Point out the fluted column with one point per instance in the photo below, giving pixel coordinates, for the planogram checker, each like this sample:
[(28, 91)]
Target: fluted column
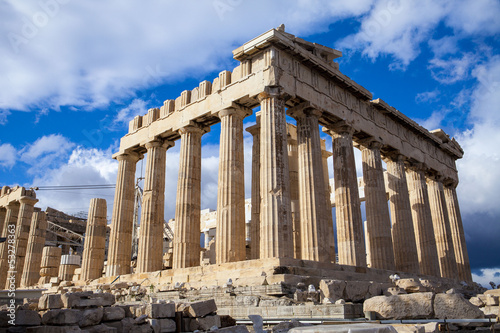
[(350, 240), (378, 223), (313, 225), (293, 168), (255, 222), (442, 230), (403, 235), (422, 220), (328, 202), (457, 233), (122, 222), (276, 224), (230, 231), (150, 250), (22, 232), (95, 240), (9, 229), (3, 212), (36, 242), (187, 208)]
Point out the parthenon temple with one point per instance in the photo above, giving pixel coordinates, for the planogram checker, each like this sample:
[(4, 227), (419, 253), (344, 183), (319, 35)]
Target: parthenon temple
[(413, 222), (421, 232)]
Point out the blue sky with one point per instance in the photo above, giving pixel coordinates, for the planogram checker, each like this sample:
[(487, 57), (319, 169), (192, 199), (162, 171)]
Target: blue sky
[(72, 74)]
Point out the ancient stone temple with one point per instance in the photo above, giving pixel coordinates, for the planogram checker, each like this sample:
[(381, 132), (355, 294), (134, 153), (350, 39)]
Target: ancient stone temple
[(421, 232)]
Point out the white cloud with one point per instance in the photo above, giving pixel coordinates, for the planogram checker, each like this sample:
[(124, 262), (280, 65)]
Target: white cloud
[(452, 70), (136, 107), (7, 155), (479, 170), (83, 167), (45, 152), (486, 276), (86, 54), (428, 96)]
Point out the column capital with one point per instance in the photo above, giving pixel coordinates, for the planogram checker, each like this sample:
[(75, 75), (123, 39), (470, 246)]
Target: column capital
[(417, 166), (194, 128), (340, 127), (254, 129), (28, 200), (237, 110), (159, 143), (302, 110), (450, 182), (369, 143), (130, 156), (394, 156), (273, 92), (435, 176)]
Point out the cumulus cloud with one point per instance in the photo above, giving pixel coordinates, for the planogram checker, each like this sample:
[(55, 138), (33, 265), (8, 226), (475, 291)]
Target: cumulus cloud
[(87, 54), (122, 118), (45, 152), (7, 155), (428, 96), (452, 70), (82, 167), (487, 275)]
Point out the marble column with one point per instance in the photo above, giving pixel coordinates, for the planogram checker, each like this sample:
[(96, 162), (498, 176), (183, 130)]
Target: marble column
[(403, 235), (3, 212), (378, 223), (313, 224), (350, 239), (457, 233), (328, 202), (36, 242), (293, 168), (276, 238), (150, 249), (187, 209), (22, 232), (95, 240), (255, 222), (51, 261), (442, 230), (122, 221), (422, 220), (9, 232), (230, 231)]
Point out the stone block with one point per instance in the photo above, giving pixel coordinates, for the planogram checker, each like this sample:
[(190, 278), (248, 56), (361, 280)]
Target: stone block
[(125, 325), (491, 300), (28, 318), (161, 310), (162, 325), (50, 302), (119, 285), (54, 329), (411, 285), (356, 291), (202, 324), (411, 306), (247, 300), (87, 299), (113, 313), (332, 289), (101, 329), (402, 328), (91, 317), (61, 317), (477, 301), (201, 309), (455, 306), (234, 329)]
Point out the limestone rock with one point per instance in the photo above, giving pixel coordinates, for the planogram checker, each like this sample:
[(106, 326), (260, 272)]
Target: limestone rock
[(234, 329), (27, 318), (477, 302), (100, 329), (402, 328), (161, 310), (411, 286), (61, 317), (49, 301), (411, 306), (125, 325), (162, 325), (455, 306), (356, 291), (202, 324), (333, 289), (54, 329), (91, 317), (87, 299), (247, 300), (113, 313), (285, 326), (394, 291), (201, 309)]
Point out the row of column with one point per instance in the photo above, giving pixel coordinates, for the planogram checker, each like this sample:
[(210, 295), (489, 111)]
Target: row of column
[(420, 205)]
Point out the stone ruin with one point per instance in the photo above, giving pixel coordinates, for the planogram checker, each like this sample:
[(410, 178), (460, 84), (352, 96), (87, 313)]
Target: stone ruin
[(414, 245)]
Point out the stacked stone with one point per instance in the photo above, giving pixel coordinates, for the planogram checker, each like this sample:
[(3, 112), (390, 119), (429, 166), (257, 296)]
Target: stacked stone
[(51, 259), (36, 241), (95, 240), (69, 263)]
